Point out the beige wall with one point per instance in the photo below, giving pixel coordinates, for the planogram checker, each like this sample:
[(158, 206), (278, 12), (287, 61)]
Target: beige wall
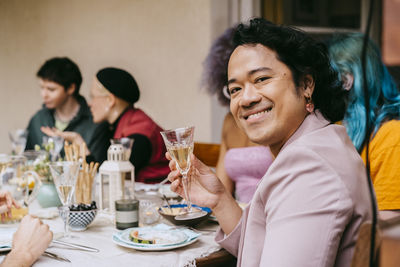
[(161, 42)]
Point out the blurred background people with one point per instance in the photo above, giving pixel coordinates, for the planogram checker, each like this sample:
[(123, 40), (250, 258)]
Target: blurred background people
[(113, 94), (241, 163), (384, 99), (65, 109)]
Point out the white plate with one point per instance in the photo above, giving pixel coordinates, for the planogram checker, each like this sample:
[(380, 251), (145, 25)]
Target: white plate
[(159, 248), (168, 237)]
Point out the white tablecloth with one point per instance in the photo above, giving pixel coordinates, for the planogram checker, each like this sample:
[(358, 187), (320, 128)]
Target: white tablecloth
[(99, 235)]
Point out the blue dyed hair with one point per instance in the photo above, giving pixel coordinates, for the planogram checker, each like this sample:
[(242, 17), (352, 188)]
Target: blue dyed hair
[(384, 98)]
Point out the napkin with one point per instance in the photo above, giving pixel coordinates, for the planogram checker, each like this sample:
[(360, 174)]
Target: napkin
[(6, 235)]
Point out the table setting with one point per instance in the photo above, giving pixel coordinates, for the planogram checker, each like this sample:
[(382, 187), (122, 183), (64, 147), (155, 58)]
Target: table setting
[(137, 229)]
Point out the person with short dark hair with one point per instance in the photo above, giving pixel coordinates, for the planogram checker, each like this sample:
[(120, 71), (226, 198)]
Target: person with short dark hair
[(241, 163), (65, 109), (308, 208), (113, 93)]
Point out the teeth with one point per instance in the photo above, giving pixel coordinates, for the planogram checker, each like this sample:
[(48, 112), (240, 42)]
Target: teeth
[(258, 114)]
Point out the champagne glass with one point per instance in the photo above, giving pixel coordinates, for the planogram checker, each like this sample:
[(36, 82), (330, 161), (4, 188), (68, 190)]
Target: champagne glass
[(65, 175), (179, 143)]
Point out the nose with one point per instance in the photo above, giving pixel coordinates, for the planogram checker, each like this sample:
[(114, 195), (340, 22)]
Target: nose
[(250, 96), (43, 93)]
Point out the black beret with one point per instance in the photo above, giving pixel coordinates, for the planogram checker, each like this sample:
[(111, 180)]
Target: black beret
[(120, 83)]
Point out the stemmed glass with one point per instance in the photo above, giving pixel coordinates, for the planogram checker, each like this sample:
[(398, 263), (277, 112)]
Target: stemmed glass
[(65, 175), (18, 140), (179, 143), (55, 145)]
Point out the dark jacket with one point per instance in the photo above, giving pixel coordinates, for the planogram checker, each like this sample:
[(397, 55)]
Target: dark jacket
[(96, 136)]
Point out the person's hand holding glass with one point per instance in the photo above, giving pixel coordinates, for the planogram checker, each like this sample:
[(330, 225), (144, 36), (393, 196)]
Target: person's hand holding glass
[(65, 175), (179, 143)]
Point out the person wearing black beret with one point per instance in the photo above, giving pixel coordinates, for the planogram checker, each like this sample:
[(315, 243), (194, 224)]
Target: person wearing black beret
[(113, 94)]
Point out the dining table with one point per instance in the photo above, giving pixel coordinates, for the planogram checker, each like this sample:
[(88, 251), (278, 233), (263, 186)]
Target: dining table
[(99, 235)]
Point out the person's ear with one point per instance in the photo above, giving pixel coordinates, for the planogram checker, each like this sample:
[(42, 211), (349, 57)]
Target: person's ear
[(347, 81), (111, 100), (71, 89), (308, 85)]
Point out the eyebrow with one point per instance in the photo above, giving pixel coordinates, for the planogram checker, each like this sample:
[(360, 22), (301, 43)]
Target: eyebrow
[(250, 73)]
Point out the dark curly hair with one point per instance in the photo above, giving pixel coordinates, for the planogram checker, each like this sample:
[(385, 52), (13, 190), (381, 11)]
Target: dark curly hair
[(215, 66), (304, 56), (61, 70)]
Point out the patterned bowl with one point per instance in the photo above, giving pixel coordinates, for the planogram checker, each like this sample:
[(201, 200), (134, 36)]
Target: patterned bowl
[(79, 220)]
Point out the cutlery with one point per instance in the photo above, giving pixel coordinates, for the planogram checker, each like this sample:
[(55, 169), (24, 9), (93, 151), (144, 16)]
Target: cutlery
[(55, 256), (163, 182), (73, 245), (7, 249), (169, 206)]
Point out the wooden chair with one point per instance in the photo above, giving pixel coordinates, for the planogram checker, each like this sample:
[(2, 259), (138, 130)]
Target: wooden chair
[(362, 250), (208, 153)]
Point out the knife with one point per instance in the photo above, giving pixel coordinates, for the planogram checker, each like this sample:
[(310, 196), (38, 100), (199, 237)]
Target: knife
[(72, 245)]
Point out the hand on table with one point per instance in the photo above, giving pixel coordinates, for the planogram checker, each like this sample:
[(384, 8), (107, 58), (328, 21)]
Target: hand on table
[(30, 240), (205, 189), (6, 203)]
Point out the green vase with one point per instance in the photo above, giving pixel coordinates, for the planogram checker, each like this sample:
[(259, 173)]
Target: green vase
[(48, 196)]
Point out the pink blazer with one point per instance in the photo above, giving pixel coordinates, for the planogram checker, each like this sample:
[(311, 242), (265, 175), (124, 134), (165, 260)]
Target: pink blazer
[(309, 206)]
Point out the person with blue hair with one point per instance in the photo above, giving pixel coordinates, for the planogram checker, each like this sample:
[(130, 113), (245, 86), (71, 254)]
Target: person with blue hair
[(384, 113)]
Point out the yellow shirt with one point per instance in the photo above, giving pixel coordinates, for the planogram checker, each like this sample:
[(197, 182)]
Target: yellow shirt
[(384, 157)]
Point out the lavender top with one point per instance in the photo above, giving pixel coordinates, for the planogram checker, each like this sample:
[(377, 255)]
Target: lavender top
[(246, 166)]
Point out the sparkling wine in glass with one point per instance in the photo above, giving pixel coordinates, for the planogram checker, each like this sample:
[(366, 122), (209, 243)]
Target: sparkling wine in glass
[(179, 143), (65, 175)]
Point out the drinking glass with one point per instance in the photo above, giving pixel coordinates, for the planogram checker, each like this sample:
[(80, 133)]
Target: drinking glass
[(18, 140), (22, 183), (65, 174), (179, 143), (126, 143), (55, 144)]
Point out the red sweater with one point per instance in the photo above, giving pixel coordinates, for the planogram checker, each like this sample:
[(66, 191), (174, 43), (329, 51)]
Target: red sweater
[(135, 121)]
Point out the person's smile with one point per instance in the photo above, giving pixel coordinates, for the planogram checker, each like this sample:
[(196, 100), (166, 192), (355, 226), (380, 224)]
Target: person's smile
[(257, 114)]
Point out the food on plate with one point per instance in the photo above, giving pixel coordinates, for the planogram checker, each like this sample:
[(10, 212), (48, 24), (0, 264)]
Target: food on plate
[(177, 210), (134, 237)]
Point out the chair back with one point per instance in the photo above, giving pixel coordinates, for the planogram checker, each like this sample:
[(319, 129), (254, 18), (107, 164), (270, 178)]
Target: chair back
[(206, 152), (363, 244)]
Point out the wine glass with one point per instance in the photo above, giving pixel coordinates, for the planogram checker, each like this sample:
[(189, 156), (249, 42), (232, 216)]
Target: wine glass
[(54, 145), (18, 140), (179, 143), (65, 174)]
